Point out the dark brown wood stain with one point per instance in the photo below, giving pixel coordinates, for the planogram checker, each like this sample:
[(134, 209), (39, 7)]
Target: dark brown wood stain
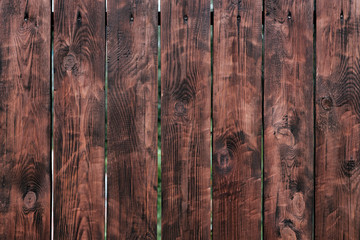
[(81, 28), (79, 119), (186, 105), (288, 119), (132, 112), (337, 203), (25, 186), (237, 119)]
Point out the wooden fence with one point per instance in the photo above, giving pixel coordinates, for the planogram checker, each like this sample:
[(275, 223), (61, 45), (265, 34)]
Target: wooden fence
[(276, 93)]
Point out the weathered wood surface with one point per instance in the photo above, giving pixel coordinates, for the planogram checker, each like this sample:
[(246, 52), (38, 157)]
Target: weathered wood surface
[(288, 119), (79, 119), (25, 186), (237, 119), (337, 120), (132, 113), (186, 103)]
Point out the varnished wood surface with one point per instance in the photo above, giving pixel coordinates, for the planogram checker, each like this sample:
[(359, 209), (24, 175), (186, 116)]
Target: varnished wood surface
[(237, 119), (132, 112), (185, 122), (25, 186), (79, 119), (337, 206), (288, 119)]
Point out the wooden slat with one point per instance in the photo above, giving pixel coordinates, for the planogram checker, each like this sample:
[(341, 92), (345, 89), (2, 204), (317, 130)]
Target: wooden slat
[(237, 119), (79, 119), (132, 113), (288, 119), (185, 123), (25, 185), (337, 120)]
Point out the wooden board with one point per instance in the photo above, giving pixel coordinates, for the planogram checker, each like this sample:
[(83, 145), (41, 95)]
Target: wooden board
[(185, 122), (25, 185), (237, 119), (79, 119), (132, 113), (337, 120), (288, 120)]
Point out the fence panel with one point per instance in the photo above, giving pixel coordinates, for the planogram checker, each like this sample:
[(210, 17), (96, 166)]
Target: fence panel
[(132, 113), (288, 119), (337, 120), (185, 122), (237, 119), (79, 119), (25, 184), (241, 106)]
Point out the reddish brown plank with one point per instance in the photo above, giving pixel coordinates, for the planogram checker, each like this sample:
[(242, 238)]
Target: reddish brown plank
[(79, 119), (185, 122), (25, 186), (132, 113), (288, 119), (337, 120), (237, 119)]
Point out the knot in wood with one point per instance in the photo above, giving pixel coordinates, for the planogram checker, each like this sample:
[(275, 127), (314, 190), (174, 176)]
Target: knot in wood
[(298, 204), (326, 103), (288, 230), (180, 109), (348, 167), (284, 136), (185, 18), (287, 234), (223, 161), (29, 200), (69, 62)]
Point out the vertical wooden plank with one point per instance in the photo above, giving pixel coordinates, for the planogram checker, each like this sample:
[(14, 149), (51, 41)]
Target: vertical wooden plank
[(79, 120), (25, 185), (132, 113), (237, 119), (337, 120), (185, 123), (288, 119)]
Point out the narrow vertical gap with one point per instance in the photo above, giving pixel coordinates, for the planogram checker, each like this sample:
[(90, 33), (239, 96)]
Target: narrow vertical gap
[(106, 125), (262, 119), (211, 117), (52, 116), (314, 116), (159, 137)]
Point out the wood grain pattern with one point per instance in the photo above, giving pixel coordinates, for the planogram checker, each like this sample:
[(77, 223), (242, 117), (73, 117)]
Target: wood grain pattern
[(25, 185), (288, 119), (132, 113), (79, 119), (337, 120), (237, 119), (185, 122)]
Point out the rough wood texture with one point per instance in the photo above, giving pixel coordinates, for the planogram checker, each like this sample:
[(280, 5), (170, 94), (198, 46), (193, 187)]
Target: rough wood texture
[(25, 184), (132, 113), (237, 119), (79, 120), (186, 103), (288, 109), (338, 120)]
